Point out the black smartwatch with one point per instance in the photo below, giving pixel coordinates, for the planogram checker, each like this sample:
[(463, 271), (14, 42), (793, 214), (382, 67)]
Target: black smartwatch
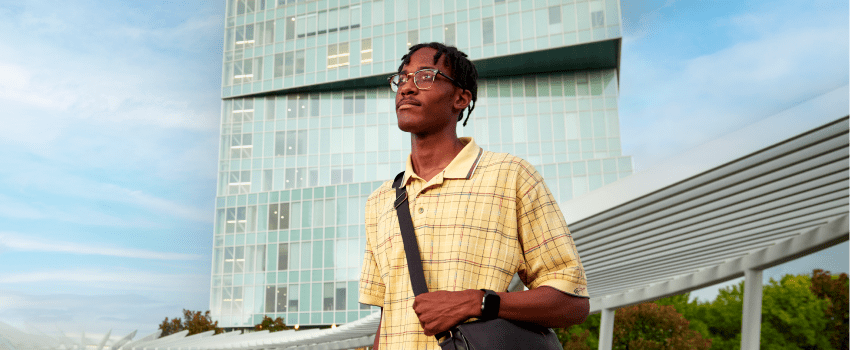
[(490, 305)]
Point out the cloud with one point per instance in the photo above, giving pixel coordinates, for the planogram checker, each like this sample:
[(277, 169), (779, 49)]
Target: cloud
[(96, 301), (19, 242), (670, 104), (113, 279), (109, 103), (13, 208), (78, 74), (73, 314), (644, 18), (39, 180), (18, 85), (117, 280)]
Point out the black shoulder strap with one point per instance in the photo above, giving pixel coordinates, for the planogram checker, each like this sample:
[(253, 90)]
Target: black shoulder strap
[(408, 236), (411, 246)]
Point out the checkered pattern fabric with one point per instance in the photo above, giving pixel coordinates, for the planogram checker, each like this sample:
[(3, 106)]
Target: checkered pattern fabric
[(482, 219)]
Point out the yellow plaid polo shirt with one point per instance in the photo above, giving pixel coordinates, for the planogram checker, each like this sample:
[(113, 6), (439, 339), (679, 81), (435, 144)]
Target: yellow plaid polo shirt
[(483, 218)]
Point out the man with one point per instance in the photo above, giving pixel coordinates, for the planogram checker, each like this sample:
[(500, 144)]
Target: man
[(480, 217)]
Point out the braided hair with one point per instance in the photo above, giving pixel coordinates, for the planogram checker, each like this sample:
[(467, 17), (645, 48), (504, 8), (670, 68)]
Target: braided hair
[(463, 70)]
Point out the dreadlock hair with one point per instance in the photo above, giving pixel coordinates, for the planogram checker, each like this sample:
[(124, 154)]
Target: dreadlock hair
[(462, 69)]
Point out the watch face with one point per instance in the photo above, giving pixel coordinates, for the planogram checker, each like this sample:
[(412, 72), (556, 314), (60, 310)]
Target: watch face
[(490, 306)]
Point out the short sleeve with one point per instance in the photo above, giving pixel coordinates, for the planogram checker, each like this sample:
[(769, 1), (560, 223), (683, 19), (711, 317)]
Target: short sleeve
[(372, 287), (551, 257)]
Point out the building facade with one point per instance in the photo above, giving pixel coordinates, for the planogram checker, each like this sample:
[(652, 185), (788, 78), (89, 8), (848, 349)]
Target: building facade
[(308, 129)]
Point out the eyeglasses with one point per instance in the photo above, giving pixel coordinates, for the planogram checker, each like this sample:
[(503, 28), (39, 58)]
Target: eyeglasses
[(423, 79)]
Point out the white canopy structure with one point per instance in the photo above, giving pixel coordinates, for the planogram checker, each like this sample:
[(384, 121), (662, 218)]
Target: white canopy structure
[(767, 194), (764, 195)]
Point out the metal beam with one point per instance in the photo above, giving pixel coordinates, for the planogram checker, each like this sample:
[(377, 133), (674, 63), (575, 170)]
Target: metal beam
[(827, 235), (103, 341), (123, 341)]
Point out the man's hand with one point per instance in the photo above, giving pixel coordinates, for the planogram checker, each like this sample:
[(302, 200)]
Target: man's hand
[(439, 311)]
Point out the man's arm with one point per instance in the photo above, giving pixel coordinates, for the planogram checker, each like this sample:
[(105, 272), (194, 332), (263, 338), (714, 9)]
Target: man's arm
[(441, 310), (545, 306), (378, 333)]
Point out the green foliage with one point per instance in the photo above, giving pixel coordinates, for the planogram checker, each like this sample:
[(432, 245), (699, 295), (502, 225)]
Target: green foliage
[(723, 316), (691, 310), (798, 312), (644, 326), (583, 336), (792, 316), (195, 321), (268, 324)]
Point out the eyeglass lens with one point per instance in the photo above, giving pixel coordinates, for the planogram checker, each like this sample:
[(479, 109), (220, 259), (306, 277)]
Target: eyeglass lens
[(423, 80)]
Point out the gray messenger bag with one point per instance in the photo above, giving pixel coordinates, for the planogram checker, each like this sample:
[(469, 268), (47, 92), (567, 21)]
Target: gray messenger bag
[(494, 334)]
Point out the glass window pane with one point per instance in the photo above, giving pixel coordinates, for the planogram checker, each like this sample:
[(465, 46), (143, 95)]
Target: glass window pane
[(366, 51), (249, 258), (239, 260), (295, 256), (283, 256), (306, 254), (270, 294), (299, 62), (281, 299), (228, 260), (293, 298), (273, 216), (328, 301), (291, 143), (340, 296), (280, 143), (284, 216), (288, 63), (261, 258), (487, 29), (449, 34)]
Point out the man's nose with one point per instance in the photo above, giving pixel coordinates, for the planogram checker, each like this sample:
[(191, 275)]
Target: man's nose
[(407, 87)]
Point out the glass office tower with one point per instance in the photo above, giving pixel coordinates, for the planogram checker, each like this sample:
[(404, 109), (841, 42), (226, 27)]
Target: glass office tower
[(308, 129)]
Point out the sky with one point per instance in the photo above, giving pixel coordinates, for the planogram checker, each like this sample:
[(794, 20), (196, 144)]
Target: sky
[(109, 137)]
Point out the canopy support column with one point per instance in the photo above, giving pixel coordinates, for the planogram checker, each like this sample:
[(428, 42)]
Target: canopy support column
[(751, 320), (606, 330)]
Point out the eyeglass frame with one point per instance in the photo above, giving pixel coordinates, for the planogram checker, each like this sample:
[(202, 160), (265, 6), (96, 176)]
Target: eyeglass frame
[(433, 70)]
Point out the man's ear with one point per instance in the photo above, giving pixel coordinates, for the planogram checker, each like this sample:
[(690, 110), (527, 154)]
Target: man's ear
[(462, 101)]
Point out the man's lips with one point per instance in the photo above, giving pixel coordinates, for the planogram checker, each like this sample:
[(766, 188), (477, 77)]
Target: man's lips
[(407, 102)]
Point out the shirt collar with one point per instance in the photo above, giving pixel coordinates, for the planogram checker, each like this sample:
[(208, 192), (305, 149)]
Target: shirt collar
[(461, 167)]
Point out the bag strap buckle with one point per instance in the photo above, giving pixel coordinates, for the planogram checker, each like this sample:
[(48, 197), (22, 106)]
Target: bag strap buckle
[(401, 198)]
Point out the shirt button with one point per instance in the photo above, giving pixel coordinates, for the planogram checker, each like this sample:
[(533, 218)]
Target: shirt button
[(421, 210)]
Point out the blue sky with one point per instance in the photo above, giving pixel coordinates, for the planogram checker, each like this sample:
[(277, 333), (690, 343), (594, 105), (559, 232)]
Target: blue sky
[(110, 118)]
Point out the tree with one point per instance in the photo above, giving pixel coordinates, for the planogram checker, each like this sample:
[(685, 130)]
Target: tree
[(792, 316), (170, 327), (652, 326), (691, 310), (834, 289), (798, 312), (646, 326), (194, 321), (271, 325), (723, 317)]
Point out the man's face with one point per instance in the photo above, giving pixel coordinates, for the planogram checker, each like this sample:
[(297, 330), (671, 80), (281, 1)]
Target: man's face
[(427, 111)]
